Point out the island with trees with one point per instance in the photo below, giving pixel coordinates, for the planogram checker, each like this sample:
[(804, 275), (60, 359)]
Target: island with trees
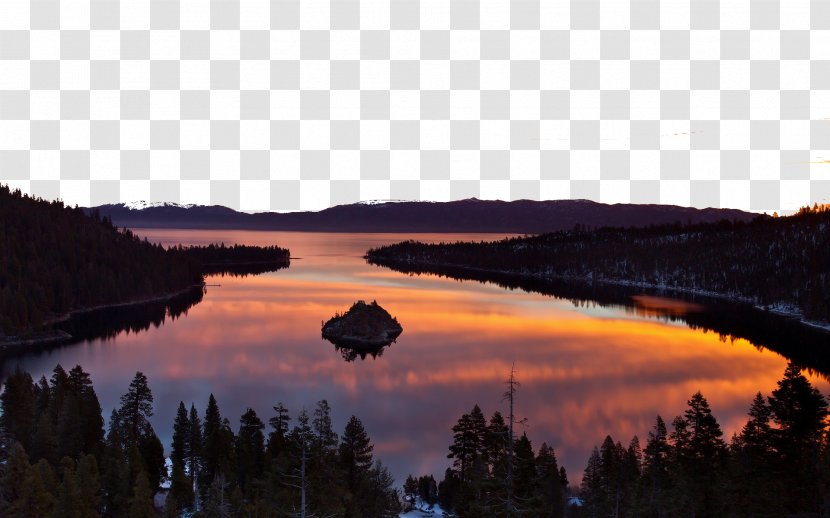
[(363, 326)]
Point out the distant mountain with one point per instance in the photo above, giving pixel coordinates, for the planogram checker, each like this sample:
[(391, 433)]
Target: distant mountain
[(472, 215)]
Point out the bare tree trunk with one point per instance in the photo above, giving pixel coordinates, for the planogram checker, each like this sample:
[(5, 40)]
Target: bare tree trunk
[(512, 384), (302, 483)]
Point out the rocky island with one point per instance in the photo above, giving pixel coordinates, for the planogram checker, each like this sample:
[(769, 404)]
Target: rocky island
[(362, 326)]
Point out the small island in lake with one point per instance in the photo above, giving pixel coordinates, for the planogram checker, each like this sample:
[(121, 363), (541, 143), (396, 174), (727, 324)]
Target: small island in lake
[(362, 326)]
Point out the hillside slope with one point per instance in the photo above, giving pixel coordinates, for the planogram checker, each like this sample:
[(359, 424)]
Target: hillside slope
[(778, 262), (520, 217), (55, 259)]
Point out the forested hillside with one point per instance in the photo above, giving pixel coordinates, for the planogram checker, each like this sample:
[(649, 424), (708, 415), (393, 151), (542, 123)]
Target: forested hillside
[(57, 461), (54, 259), (781, 262)]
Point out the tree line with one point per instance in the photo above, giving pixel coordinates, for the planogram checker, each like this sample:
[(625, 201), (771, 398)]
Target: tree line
[(778, 262), (55, 259), (488, 477), (57, 461), (494, 472), (777, 465)]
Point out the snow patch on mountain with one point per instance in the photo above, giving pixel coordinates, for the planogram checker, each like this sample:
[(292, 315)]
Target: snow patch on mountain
[(380, 202), (141, 205)]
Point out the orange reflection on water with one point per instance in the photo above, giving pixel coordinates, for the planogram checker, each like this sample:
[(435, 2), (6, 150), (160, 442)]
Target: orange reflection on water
[(585, 372), (649, 305)]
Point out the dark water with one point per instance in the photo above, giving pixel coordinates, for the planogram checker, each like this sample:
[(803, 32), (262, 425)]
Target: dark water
[(586, 370)]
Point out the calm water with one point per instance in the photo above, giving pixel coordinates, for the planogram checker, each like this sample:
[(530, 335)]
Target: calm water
[(585, 372)]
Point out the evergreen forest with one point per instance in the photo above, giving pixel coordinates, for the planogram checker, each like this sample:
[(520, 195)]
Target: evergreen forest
[(778, 262), (777, 465), (58, 460), (56, 259)]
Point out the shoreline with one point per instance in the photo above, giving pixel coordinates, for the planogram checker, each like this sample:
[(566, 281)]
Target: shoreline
[(778, 308), (46, 337), (58, 336)]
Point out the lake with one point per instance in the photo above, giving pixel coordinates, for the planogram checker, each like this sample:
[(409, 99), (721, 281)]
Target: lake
[(586, 370)]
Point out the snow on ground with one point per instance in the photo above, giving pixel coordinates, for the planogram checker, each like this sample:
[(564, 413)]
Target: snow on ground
[(422, 510), (168, 465)]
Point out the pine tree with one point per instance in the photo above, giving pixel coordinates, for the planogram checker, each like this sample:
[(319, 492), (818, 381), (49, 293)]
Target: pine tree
[(70, 501), (524, 479), (593, 489), (326, 498), (116, 480), (326, 439), (355, 454), (756, 435), (356, 448), (250, 448), (212, 444), (550, 492), (469, 447), (41, 484), (217, 504), (141, 503), (135, 431), (80, 424), (700, 454), (611, 469), (752, 484), (17, 402), (137, 409), (89, 485), (411, 488), (180, 496), (656, 479), (380, 500), (152, 456), (45, 440), (14, 489), (58, 386), (194, 446), (448, 490), (181, 436), (427, 490), (279, 425), (632, 466), (800, 411), (496, 444)]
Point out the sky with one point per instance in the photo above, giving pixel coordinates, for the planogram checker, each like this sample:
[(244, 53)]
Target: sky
[(289, 105)]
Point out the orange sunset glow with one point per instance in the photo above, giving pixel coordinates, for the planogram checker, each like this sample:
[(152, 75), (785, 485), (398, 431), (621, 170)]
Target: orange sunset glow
[(588, 371)]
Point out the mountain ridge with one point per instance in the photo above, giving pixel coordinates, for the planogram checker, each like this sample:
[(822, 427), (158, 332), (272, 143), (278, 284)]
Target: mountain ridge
[(470, 215)]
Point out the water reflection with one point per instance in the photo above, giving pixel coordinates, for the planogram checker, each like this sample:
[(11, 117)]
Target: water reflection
[(586, 370), (365, 329), (350, 352), (107, 323), (806, 345), (651, 306)]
